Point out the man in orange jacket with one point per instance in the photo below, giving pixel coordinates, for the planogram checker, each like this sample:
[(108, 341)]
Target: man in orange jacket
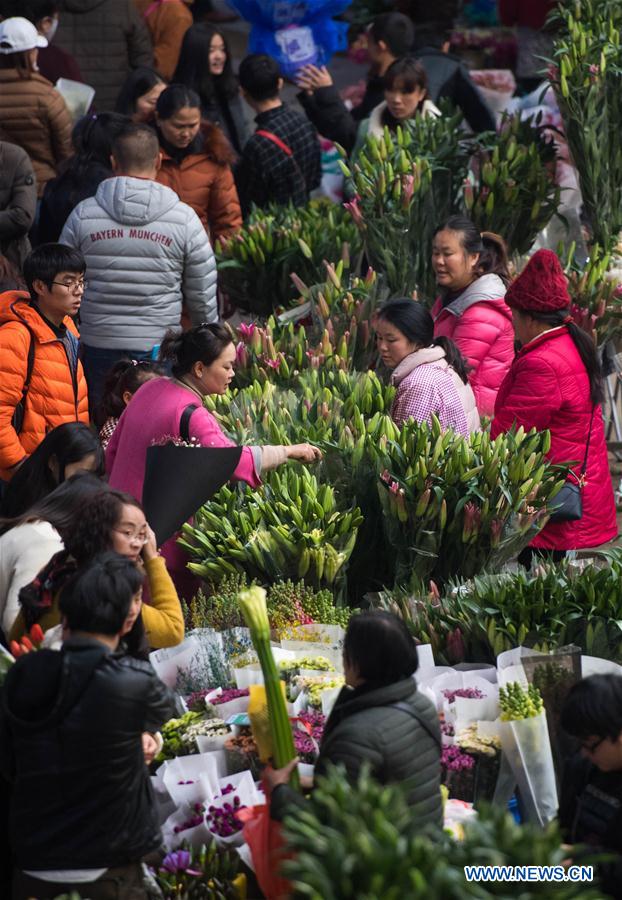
[(42, 382)]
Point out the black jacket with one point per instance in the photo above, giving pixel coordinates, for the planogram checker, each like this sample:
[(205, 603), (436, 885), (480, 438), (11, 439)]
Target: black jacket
[(448, 77), (267, 173), (63, 193), (590, 812), (365, 727), (331, 117), (70, 743)]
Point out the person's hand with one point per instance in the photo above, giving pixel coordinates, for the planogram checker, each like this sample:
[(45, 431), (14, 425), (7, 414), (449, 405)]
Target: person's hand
[(151, 747), (304, 452), (150, 550), (310, 78), (275, 777)]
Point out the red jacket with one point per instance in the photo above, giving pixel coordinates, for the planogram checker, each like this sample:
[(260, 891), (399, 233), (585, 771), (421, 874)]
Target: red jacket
[(480, 323), (548, 387)]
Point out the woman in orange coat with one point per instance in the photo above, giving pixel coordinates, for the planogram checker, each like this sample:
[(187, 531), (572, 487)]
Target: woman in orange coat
[(196, 161), (42, 382)]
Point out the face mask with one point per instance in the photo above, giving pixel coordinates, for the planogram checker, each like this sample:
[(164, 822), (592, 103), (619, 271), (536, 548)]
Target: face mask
[(49, 34)]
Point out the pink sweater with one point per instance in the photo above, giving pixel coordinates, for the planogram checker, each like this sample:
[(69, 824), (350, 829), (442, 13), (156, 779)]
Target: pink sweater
[(155, 413)]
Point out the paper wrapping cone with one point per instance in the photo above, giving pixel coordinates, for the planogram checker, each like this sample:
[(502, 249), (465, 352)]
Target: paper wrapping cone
[(179, 480)]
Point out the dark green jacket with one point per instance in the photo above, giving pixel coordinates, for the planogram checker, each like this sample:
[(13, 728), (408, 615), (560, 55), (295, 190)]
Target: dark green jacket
[(363, 728)]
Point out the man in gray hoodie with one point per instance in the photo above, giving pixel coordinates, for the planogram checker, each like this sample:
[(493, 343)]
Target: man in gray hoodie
[(145, 252)]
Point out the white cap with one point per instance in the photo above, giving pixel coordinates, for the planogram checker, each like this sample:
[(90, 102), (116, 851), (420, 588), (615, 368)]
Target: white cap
[(17, 34)]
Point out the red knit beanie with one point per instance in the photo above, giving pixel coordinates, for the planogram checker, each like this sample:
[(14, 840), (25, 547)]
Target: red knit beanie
[(541, 286)]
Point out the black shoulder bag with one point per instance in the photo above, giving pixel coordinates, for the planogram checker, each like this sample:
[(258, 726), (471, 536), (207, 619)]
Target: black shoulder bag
[(569, 501)]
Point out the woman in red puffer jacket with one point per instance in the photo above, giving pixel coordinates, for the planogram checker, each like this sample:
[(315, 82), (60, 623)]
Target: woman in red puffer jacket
[(555, 383), (472, 274)]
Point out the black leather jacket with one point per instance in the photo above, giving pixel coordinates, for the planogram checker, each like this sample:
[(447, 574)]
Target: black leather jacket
[(70, 743)]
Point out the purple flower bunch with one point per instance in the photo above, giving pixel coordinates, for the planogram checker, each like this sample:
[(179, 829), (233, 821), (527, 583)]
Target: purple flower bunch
[(469, 693), (308, 734), (223, 820), (192, 821), (185, 782), (453, 759), (178, 861), (228, 695), (447, 729)]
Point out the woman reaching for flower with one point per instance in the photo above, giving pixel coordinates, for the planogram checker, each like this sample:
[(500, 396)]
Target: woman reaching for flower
[(202, 361)]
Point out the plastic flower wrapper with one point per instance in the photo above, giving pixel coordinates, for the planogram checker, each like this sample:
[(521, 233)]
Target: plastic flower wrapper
[(227, 703), (237, 792), (464, 697), (191, 779), (526, 745), (554, 676)]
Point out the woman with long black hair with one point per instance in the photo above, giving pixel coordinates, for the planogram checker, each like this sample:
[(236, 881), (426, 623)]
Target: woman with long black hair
[(205, 66), (65, 451)]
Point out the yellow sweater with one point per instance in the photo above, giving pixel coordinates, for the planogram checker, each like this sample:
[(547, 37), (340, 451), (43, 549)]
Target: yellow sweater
[(162, 618)]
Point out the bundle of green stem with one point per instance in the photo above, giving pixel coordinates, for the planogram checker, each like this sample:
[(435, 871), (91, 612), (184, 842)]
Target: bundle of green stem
[(253, 605), (587, 77), (596, 301), (337, 334), (454, 505), (293, 527), (254, 264), (512, 189)]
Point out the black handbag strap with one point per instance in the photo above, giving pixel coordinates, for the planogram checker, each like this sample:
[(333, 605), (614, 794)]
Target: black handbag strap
[(587, 447), (405, 707), (184, 422)]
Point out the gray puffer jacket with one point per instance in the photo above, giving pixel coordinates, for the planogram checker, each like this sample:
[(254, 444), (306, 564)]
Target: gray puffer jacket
[(108, 39), (365, 727), (145, 252)]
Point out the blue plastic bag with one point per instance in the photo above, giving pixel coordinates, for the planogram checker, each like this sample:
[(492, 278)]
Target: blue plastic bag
[(295, 33)]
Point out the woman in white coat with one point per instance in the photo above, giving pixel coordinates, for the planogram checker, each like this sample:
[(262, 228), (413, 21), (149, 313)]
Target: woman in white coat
[(28, 542)]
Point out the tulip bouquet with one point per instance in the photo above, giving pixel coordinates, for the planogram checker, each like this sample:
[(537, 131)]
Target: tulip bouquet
[(587, 77), (28, 642), (511, 189), (454, 506), (254, 265), (200, 873)]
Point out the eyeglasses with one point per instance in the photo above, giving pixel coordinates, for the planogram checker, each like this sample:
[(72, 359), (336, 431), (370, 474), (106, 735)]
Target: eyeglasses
[(73, 286), (139, 536), (592, 748)]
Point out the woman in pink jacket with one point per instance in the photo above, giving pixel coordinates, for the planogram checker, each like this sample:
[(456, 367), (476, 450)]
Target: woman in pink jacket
[(555, 383), (430, 374), (472, 274), (202, 361)]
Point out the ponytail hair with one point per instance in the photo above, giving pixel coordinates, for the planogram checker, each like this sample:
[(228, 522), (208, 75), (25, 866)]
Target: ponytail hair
[(125, 375), (492, 249), (415, 322), (583, 343), (203, 343)]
